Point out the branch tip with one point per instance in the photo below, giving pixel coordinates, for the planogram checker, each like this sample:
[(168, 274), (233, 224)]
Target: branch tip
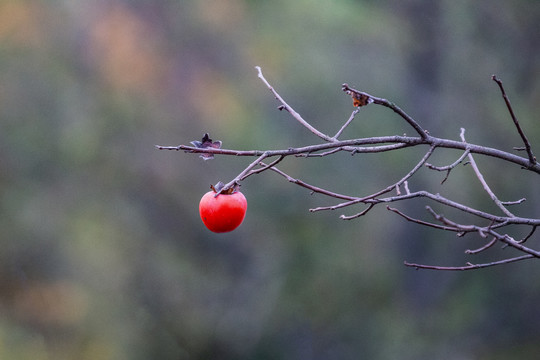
[(532, 158)]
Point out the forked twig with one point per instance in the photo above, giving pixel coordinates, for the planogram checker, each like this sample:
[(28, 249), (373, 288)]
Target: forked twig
[(483, 181), (450, 167), (385, 190)]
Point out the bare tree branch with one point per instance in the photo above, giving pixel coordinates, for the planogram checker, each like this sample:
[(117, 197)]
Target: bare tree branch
[(496, 224), (404, 141)]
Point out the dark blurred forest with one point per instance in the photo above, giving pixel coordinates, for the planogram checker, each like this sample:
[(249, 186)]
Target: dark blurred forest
[(102, 251)]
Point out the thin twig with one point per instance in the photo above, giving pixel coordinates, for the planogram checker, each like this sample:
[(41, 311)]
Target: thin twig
[(516, 202), (406, 186), (532, 158), (469, 266), (321, 154), (362, 213), (483, 181), (528, 235), (485, 247), (422, 222), (379, 101), (351, 118), (372, 149), (242, 175), (449, 168), (358, 150), (287, 107), (444, 220), (310, 187), (263, 167)]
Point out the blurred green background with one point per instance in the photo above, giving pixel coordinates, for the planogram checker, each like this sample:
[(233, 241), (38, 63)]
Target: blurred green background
[(103, 254)]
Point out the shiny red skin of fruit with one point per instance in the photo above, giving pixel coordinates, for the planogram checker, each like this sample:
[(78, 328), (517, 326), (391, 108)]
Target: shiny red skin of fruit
[(222, 213)]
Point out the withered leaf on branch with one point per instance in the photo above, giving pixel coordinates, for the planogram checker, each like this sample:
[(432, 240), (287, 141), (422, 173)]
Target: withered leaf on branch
[(206, 142), (220, 185), (360, 99)]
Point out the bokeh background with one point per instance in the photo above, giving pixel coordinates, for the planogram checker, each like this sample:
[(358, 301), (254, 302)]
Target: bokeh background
[(103, 254)]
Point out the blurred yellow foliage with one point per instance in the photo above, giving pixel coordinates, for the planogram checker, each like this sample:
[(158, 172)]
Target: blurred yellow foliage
[(213, 95), (127, 50), (51, 304), (221, 15), (20, 23)]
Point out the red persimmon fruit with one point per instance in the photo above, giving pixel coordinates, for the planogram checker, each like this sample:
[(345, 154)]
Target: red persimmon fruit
[(224, 212)]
